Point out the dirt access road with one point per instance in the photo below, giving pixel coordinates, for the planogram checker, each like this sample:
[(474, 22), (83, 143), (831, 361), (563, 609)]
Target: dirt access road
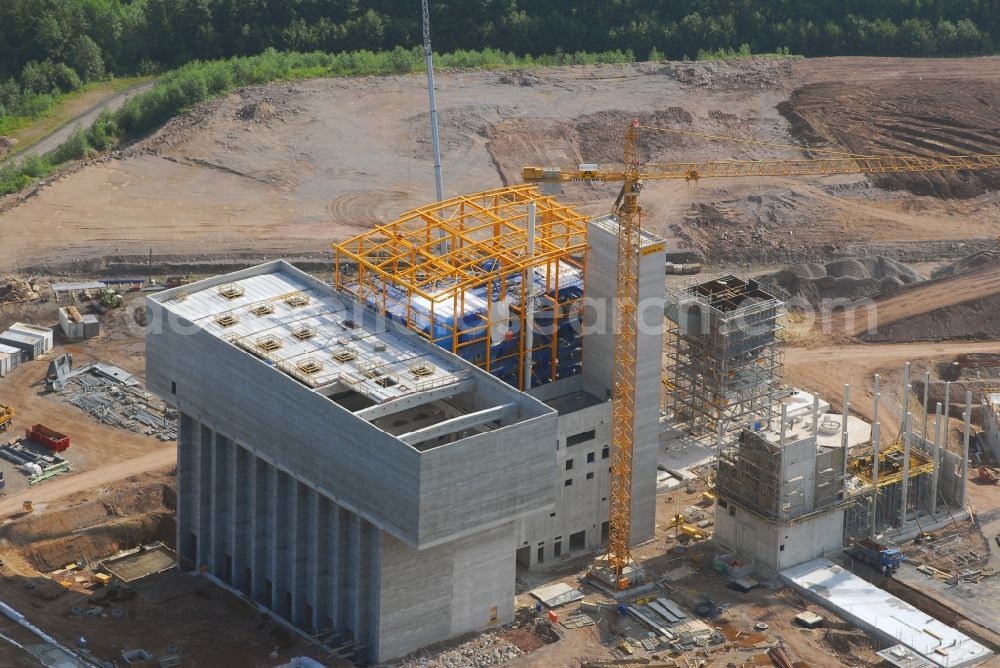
[(88, 480), (84, 118), (283, 169), (825, 369)]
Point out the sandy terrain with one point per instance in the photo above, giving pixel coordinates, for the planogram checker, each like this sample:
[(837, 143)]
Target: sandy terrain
[(336, 156)]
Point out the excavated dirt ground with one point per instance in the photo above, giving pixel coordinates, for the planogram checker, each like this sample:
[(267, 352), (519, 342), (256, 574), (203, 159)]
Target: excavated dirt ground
[(326, 159)]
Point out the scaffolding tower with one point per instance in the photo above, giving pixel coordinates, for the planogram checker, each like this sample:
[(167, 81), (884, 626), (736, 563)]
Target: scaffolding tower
[(723, 354)]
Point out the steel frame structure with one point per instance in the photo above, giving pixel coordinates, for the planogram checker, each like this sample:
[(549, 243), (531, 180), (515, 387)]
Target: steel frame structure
[(436, 254)]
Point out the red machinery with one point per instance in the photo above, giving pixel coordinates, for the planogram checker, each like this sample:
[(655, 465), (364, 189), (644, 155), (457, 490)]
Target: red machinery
[(49, 437), (989, 475)]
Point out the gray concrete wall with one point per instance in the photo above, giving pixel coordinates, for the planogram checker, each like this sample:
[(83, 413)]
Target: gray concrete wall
[(599, 353), (580, 506), (991, 431), (320, 566), (444, 591), (773, 545)]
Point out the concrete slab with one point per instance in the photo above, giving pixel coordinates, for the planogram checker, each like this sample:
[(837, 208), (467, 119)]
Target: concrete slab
[(138, 565), (680, 451), (883, 615), (903, 657), (557, 594), (979, 602)]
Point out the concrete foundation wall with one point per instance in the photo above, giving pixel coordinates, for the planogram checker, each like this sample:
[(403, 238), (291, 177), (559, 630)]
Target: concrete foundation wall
[(774, 545)]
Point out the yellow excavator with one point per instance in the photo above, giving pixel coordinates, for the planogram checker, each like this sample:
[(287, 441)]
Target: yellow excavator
[(6, 417), (629, 215)]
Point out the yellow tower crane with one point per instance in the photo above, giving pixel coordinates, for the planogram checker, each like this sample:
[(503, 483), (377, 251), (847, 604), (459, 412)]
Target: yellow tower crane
[(629, 215)]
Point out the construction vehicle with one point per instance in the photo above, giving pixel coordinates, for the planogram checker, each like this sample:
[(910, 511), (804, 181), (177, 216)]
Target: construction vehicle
[(693, 532), (6, 417), (109, 298), (989, 475), (629, 214), (881, 557)]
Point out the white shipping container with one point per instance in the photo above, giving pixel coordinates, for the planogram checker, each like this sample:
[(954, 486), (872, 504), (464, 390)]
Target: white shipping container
[(44, 332)]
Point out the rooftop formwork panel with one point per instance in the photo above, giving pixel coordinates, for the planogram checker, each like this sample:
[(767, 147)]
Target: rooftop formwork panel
[(466, 274)]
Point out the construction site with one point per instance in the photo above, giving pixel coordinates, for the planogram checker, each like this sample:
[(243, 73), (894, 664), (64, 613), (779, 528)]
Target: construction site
[(614, 385)]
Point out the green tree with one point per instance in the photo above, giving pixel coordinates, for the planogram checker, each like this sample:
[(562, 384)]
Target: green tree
[(35, 78), (916, 37), (86, 58)]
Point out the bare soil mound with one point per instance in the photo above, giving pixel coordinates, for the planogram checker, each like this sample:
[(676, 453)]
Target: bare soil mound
[(849, 278), (907, 116), (974, 319)]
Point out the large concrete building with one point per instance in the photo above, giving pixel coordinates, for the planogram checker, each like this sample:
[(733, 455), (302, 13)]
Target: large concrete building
[(342, 473), (500, 243), (354, 477)]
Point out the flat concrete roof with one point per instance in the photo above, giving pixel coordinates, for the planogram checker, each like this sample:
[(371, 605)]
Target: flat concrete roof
[(312, 333), (609, 223), (858, 431), (882, 614), (573, 401), (800, 403)]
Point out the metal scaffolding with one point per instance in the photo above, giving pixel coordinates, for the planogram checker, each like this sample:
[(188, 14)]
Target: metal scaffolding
[(496, 277), (723, 353), (888, 492), (750, 473)]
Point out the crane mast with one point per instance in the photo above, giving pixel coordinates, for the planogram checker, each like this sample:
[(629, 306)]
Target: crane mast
[(623, 392)]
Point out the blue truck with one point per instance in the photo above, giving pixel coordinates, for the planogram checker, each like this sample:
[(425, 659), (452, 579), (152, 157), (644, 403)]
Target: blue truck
[(884, 558)]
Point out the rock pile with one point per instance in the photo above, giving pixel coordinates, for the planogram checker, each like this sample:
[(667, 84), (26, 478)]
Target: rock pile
[(478, 652), (258, 111), (734, 74), (849, 278)]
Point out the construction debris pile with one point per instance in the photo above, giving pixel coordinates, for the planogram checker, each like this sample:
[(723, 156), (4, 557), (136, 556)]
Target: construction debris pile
[(671, 626), (485, 650), (14, 289), (115, 397)]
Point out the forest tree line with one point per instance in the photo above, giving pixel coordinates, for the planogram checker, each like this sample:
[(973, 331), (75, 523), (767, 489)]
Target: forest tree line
[(49, 47)]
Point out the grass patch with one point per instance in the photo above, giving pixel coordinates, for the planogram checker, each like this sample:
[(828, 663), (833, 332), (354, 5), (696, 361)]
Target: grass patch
[(742, 52)]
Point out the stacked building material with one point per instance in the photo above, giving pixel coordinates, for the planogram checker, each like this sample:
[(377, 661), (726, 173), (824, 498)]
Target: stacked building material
[(113, 397)]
